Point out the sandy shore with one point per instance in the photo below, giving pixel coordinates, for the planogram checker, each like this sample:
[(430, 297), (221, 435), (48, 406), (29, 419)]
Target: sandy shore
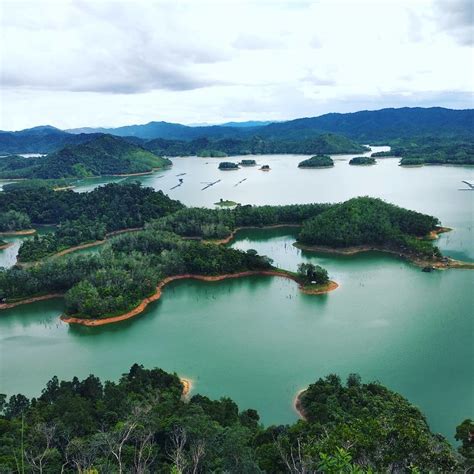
[(157, 295), (297, 404), (229, 238), (19, 232), (6, 245), (30, 300), (187, 386)]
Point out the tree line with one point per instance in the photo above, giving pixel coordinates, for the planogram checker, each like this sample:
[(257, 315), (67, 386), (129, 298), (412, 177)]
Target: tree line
[(141, 424)]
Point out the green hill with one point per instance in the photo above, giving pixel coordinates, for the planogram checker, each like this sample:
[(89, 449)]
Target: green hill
[(101, 156)]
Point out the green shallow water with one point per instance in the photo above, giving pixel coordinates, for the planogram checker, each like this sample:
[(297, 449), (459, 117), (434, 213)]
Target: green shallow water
[(258, 340)]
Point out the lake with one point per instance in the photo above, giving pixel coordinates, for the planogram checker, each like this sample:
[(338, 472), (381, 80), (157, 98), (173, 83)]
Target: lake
[(259, 340)]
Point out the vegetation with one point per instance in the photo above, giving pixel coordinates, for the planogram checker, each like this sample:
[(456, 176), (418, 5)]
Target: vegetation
[(455, 150), (362, 160), (248, 163), (310, 273), (211, 154), (141, 424), (13, 220), (319, 161), (228, 165), (382, 154), (80, 217), (102, 155), (412, 162), (370, 221), (226, 203), (256, 145), (127, 270)]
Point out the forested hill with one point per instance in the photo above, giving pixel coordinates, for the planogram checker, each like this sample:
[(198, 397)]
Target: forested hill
[(102, 155), (380, 125)]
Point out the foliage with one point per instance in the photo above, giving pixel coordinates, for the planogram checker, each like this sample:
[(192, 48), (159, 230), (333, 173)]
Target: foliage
[(102, 155), (228, 165), (141, 424), (319, 161), (13, 220), (310, 273), (362, 160), (370, 221), (465, 434)]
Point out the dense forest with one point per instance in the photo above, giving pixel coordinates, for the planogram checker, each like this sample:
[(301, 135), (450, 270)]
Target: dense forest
[(80, 217), (228, 165), (371, 221), (255, 145), (142, 424), (103, 155), (318, 161), (434, 150)]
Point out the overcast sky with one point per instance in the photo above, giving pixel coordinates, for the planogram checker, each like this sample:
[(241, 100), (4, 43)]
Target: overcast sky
[(107, 63)]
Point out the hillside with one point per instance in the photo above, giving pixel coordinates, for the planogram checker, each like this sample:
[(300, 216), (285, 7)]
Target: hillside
[(102, 155), (43, 139)]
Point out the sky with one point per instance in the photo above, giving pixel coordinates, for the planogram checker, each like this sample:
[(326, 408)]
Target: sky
[(110, 63)]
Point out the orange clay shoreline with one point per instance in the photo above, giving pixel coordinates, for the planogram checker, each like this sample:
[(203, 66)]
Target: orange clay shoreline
[(231, 236), (6, 245), (19, 232), (157, 295)]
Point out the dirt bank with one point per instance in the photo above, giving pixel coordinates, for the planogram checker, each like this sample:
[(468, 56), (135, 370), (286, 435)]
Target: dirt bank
[(30, 300)]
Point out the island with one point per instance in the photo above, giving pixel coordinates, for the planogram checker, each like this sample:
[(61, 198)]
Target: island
[(318, 161), (265, 168), (226, 203), (248, 163), (160, 427), (362, 161), (228, 166), (103, 155)]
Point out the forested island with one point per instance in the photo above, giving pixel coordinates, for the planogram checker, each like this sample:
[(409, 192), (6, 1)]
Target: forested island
[(228, 166), (362, 161), (101, 156), (318, 161), (142, 423), (248, 163)]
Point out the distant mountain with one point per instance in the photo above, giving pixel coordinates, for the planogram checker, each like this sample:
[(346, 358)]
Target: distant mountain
[(250, 123), (379, 125), (43, 139), (101, 155), (170, 131)]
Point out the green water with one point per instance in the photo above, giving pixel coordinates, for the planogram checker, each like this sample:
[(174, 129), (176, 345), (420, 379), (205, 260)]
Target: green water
[(258, 340)]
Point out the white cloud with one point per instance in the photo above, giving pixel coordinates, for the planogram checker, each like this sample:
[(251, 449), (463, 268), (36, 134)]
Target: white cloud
[(91, 62)]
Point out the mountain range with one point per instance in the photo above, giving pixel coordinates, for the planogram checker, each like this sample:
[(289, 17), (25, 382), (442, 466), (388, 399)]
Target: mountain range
[(380, 126)]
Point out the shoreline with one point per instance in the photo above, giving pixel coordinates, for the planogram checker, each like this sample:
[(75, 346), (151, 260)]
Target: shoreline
[(297, 404), (19, 232), (231, 236), (157, 295), (6, 245), (187, 387), (33, 299)]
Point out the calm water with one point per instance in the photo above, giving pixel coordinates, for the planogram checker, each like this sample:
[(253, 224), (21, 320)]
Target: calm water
[(258, 340)]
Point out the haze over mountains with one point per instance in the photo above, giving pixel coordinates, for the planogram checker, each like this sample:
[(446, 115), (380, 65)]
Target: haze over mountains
[(364, 127)]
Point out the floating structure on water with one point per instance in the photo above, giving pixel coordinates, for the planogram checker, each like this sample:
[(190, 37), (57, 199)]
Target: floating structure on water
[(210, 184)]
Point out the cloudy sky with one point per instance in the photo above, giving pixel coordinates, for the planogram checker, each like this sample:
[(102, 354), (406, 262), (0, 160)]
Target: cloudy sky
[(109, 63)]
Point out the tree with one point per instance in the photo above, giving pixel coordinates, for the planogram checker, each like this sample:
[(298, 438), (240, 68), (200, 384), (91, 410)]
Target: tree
[(310, 273)]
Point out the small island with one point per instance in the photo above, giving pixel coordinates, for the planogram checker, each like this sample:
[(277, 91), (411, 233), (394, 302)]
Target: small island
[(318, 161), (226, 203), (362, 161), (265, 168), (228, 166), (211, 154), (248, 163), (413, 162)]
